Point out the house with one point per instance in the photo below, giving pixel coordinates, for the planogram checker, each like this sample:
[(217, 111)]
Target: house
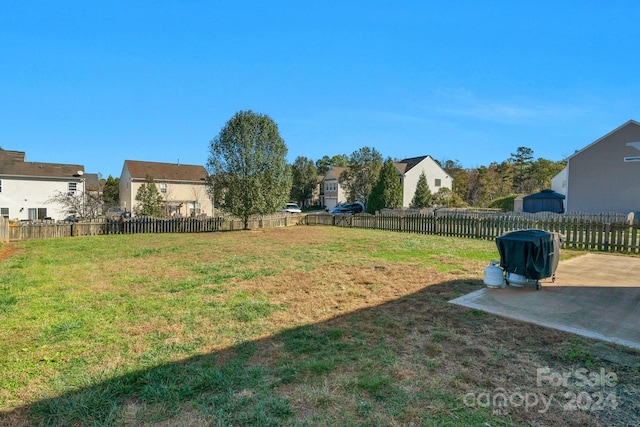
[(183, 187), (605, 175), (410, 170), (26, 188), (332, 192)]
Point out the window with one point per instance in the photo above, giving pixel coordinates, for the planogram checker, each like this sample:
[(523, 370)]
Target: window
[(37, 213), (73, 187), (163, 187), (438, 182), (4, 212), (195, 208), (0, 186)]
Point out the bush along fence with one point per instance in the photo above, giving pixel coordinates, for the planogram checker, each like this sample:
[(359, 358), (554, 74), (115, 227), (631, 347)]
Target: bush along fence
[(579, 234), (43, 230)]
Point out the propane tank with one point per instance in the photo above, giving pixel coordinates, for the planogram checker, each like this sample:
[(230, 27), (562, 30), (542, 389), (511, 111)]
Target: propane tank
[(494, 275)]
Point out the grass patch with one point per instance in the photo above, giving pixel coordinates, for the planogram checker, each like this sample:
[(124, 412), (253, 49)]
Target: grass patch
[(296, 326)]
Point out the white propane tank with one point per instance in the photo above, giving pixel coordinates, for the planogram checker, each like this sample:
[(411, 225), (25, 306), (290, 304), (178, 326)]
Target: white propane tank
[(494, 275), (518, 280)]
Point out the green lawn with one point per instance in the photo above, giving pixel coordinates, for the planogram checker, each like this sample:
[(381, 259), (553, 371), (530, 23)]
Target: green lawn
[(295, 326)]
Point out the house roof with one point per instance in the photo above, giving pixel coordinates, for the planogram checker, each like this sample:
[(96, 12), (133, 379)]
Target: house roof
[(630, 122), (401, 167), (13, 163), (412, 162), (545, 194), (335, 172), (165, 171)]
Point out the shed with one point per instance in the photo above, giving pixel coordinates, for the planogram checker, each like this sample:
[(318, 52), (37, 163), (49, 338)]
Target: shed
[(544, 201)]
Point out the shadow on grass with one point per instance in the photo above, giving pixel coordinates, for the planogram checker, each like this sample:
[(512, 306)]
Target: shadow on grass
[(408, 361)]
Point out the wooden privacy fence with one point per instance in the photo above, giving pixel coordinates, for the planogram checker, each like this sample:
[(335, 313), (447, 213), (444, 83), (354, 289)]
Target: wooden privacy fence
[(28, 231), (579, 234), (4, 229)]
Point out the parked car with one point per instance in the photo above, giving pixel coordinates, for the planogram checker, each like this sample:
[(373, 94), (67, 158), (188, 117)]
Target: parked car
[(118, 214), (348, 208), (71, 218), (292, 208)]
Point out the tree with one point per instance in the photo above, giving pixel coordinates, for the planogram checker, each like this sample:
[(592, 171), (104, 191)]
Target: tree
[(305, 179), (111, 192), (362, 174), (249, 171), (459, 177), (521, 159), (542, 171), (387, 193), (446, 197), (325, 163), (422, 197), (86, 205), (150, 201)]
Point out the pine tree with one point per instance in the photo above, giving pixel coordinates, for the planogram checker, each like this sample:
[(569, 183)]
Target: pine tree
[(422, 197), (387, 193), (149, 198)]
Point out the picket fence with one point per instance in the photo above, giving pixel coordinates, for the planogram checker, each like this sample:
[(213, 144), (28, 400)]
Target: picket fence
[(44, 230), (578, 233)]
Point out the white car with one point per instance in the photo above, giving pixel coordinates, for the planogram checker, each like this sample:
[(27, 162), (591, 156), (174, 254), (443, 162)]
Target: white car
[(292, 208)]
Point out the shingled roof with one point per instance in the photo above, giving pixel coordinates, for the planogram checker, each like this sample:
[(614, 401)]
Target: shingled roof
[(165, 171), (411, 162), (13, 163)]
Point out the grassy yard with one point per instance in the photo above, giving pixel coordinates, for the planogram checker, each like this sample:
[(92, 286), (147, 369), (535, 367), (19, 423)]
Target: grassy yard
[(293, 326)]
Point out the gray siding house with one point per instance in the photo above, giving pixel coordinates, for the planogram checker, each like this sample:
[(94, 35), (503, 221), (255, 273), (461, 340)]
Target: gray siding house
[(605, 175)]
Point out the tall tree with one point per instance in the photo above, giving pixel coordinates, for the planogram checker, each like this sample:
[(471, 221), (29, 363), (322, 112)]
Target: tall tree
[(150, 201), (387, 193), (248, 167), (111, 192), (305, 179), (422, 197), (325, 163), (521, 159), (362, 173)]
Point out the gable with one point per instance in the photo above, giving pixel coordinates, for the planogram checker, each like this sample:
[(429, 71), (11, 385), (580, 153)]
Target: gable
[(632, 128)]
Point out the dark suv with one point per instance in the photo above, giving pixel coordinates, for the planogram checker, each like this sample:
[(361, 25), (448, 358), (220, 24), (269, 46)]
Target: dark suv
[(348, 209)]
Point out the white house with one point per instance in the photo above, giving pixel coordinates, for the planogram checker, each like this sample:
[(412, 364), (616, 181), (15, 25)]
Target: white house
[(410, 170), (26, 188), (605, 175), (183, 187)]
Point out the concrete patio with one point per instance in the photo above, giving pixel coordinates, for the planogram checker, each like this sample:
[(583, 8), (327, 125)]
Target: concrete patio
[(595, 295)]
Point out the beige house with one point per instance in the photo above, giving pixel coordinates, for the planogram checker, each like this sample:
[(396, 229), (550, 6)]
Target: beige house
[(183, 187), (332, 192), (605, 175)]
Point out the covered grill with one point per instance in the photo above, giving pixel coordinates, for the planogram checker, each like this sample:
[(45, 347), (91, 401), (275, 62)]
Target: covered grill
[(529, 255)]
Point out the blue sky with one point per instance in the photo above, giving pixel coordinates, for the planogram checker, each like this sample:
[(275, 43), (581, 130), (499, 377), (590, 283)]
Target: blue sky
[(95, 83)]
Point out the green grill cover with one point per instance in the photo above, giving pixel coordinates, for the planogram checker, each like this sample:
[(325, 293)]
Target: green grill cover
[(530, 253)]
